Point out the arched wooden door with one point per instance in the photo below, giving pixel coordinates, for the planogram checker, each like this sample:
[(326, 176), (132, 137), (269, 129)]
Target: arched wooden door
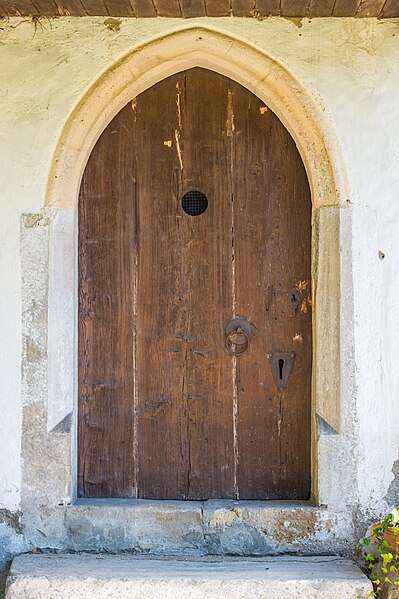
[(194, 209)]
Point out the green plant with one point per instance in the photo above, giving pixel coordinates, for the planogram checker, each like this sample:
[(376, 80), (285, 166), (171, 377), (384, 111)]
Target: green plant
[(383, 565)]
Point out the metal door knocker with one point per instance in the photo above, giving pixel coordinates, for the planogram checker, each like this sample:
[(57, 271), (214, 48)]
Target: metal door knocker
[(238, 335)]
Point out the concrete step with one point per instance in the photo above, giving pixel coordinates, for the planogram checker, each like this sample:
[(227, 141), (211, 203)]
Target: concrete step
[(118, 576)]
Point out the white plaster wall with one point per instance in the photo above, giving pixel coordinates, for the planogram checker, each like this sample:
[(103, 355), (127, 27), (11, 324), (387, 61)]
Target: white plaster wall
[(352, 68)]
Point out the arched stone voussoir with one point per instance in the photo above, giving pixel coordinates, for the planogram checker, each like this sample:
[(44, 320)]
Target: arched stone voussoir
[(180, 49)]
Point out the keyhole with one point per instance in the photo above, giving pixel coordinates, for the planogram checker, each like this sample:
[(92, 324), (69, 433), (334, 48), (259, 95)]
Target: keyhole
[(280, 368)]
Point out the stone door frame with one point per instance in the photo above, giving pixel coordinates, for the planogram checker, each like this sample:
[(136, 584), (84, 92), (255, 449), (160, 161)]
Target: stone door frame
[(55, 231)]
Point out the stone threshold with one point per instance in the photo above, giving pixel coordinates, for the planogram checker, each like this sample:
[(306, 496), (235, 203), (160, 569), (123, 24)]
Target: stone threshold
[(101, 577), (213, 527)]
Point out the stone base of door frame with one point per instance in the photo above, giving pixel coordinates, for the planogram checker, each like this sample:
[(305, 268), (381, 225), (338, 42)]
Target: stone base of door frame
[(86, 576), (181, 528)]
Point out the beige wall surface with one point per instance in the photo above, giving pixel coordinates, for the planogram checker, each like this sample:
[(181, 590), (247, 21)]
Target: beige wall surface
[(351, 68)]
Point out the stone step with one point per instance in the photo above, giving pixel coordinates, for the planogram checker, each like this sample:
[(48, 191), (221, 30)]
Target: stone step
[(198, 528), (86, 576)]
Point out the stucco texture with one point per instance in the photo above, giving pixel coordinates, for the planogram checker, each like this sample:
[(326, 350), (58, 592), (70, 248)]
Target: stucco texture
[(351, 67)]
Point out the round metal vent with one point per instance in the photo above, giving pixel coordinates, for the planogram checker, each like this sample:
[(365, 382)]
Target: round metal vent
[(194, 203)]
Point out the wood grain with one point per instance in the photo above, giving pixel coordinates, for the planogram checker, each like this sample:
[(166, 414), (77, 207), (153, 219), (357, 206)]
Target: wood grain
[(346, 8), (217, 8), (272, 215), (68, 8), (390, 9), (95, 8), (164, 410), (321, 8), (143, 8), (46, 8), (185, 382), (295, 8), (168, 8), (107, 247), (192, 8), (370, 8), (267, 8), (243, 8), (196, 8), (18, 9), (119, 8)]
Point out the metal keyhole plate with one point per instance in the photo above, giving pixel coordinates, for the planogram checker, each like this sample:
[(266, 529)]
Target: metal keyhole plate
[(294, 298), (281, 363)]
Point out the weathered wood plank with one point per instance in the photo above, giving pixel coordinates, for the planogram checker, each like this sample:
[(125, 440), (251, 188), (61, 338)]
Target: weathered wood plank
[(95, 8), (66, 8), (294, 8), (345, 8), (243, 8), (390, 9), (217, 8), (185, 419), (46, 8), (267, 8), (106, 288), (192, 8), (119, 8), (272, 215), (370, 8), (143, 8), (167, 8), (26, 8), (321, 8)]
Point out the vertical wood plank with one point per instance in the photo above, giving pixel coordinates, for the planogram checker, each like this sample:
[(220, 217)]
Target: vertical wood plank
[(321, 8), (66, 8), (390, 9), (192, 8), (18, 9), (218, 8), (294, 8), (119, 8), (185, 387), (370, 8), (267, 8), (105, 340), (95, 8), (243, 8), (346, 8), (143, 8), (167, 8), (272, 215), (46, 8)]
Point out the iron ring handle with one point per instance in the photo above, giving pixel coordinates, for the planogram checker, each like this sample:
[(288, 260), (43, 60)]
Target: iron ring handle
[(241, 346)]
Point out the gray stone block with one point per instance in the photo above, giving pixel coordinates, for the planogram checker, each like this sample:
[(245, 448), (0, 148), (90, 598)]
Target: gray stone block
[(107, 577)]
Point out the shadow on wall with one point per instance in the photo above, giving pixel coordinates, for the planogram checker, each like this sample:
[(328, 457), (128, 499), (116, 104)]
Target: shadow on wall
[(4, 568), (392, 496), (11, 542)]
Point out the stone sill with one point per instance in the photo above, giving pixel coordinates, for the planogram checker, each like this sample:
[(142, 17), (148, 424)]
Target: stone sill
[(212, 527), (192, 505)]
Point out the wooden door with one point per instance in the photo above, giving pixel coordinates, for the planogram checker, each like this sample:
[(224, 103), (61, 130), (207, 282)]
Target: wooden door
[(194, 209)]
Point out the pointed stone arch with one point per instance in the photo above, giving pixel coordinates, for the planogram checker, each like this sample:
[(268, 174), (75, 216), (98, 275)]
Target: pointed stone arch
[(182, 49)]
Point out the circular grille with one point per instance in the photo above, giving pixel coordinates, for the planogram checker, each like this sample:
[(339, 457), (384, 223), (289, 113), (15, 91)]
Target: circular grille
[(194, 203)]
